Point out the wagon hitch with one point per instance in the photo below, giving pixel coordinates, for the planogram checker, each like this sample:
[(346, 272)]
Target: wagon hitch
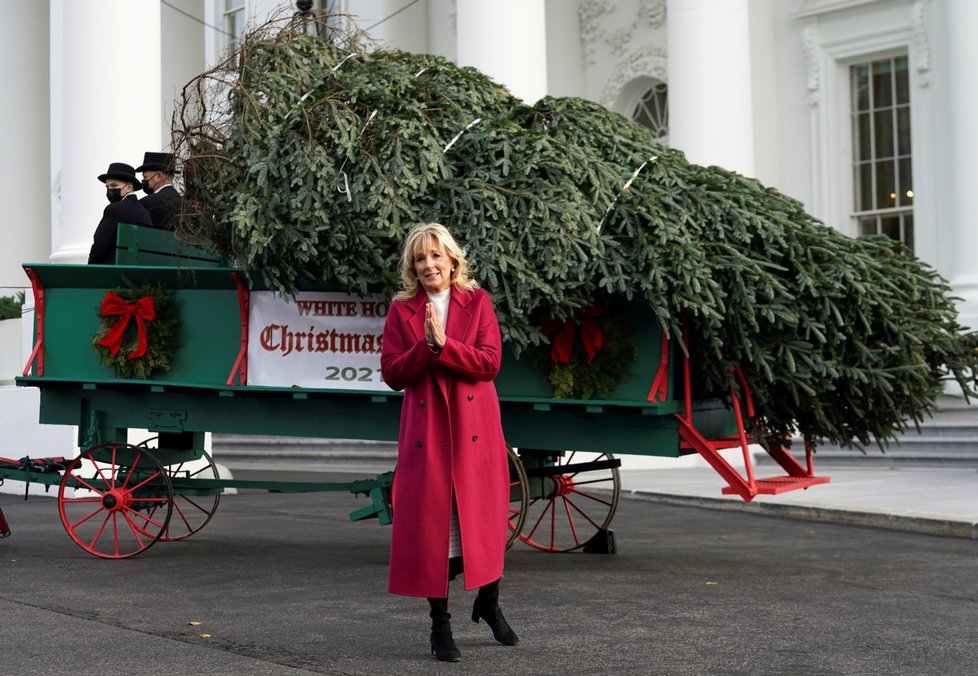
[(25, 470)]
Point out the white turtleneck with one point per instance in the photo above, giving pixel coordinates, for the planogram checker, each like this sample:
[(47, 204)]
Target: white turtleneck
[(441, 302)]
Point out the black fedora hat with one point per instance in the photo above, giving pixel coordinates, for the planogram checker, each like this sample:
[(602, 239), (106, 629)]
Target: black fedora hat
[(121, 171), (157, 162)]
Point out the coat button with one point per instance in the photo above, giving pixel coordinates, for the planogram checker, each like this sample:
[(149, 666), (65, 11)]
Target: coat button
[(475, 437), (470, 397), (421, 403), (418, 444)]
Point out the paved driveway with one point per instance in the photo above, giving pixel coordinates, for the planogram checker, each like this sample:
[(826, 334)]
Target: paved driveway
[(285, 584)]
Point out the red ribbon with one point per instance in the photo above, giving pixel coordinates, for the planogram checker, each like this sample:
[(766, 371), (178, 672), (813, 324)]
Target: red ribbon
[(142, 309), (562, 335)]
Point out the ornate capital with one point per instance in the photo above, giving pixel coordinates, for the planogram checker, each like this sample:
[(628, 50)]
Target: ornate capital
[(594, 32)]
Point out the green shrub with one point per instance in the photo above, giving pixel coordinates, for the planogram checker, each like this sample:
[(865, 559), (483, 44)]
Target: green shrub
[(10, 306)]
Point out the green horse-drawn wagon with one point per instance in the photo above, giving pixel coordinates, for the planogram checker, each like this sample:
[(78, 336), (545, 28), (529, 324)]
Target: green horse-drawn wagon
[(235, 358)]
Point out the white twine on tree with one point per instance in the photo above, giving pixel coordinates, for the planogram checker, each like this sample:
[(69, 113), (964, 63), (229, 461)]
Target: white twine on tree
[(459, 135), (625, 187), (420, 71), (346, 179), (351, 54)]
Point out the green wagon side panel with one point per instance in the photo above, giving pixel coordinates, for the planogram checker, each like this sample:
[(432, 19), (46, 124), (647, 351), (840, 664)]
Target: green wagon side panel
[(205, 303), (151, 246), (519, 377)]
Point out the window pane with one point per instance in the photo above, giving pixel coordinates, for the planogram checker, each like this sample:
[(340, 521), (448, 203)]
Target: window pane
[(867, 226), (863, 145), (908, 230), (236, 26), (890, 226), (652, 110), (883, 132), (864, 196), (233, 4), (903, 130), (885, 185), (902, 80), (882, 84), (860, 87), (905, 183)]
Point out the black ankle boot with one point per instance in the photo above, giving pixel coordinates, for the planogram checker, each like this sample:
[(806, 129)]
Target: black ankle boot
[(442, 644), (486, 607)]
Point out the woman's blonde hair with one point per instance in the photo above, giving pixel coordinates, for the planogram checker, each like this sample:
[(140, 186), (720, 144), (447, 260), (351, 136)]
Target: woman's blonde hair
[(423, 238)]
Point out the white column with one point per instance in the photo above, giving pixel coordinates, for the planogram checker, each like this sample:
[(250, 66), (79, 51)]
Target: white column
[(111, 107), (24, 160), (506, 40), (962, 174), (710, 111)]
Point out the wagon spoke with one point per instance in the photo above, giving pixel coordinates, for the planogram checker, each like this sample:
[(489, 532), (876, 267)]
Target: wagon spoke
[(132, 470), (136, 530), (539, 519), (143, 482), (580, 511), (87, 485), (83, 520), (570, 520), (129, 511), (592, 497)]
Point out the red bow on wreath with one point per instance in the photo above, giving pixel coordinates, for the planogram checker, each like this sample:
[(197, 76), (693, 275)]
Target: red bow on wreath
[(562, 335), (142, 309)]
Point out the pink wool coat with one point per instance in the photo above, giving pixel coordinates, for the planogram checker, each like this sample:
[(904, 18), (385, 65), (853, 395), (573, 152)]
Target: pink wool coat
[(450, 438)]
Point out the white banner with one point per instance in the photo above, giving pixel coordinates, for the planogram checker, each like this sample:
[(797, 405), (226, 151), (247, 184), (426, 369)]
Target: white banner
[(323, 340)]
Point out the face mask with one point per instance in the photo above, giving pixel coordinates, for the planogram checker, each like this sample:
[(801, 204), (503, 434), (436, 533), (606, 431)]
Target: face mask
[(146, 188), (113, 194)]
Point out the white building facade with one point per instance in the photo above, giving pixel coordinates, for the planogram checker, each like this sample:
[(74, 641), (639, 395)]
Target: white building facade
[(860, 109)]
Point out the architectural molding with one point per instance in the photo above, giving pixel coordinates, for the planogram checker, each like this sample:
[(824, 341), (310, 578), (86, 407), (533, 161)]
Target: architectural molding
[(649, 61), (810, 43), (594, 32), (815, 8), (921, 40)]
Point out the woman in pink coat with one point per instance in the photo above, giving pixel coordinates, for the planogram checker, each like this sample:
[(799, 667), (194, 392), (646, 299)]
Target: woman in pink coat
[(451, 492)]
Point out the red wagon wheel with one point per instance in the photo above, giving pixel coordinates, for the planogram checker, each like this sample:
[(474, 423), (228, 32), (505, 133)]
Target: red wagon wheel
[(115, 500), (194, 507), (571, 499), (519, 496)]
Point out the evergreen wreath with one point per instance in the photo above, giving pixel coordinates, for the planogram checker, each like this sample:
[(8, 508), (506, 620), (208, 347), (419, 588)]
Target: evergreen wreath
[(160, 333), (588, 368)]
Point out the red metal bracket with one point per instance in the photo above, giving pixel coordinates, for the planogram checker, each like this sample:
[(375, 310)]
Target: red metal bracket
[(660, 385), (241, 363), (38, 351), (746, 487)]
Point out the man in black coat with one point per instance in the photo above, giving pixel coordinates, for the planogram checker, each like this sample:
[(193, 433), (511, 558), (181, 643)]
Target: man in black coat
[(124, 207), (162, 200)]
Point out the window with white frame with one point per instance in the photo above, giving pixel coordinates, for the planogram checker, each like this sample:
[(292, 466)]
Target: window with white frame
[(652, 111), (234, 22), (882, 166)]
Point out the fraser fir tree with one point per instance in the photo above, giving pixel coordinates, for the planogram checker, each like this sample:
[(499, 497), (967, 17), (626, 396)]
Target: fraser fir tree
[(308, 158)]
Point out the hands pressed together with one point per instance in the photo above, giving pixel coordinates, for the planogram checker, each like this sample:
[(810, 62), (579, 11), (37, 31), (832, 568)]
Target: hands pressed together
[(434, 332)]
